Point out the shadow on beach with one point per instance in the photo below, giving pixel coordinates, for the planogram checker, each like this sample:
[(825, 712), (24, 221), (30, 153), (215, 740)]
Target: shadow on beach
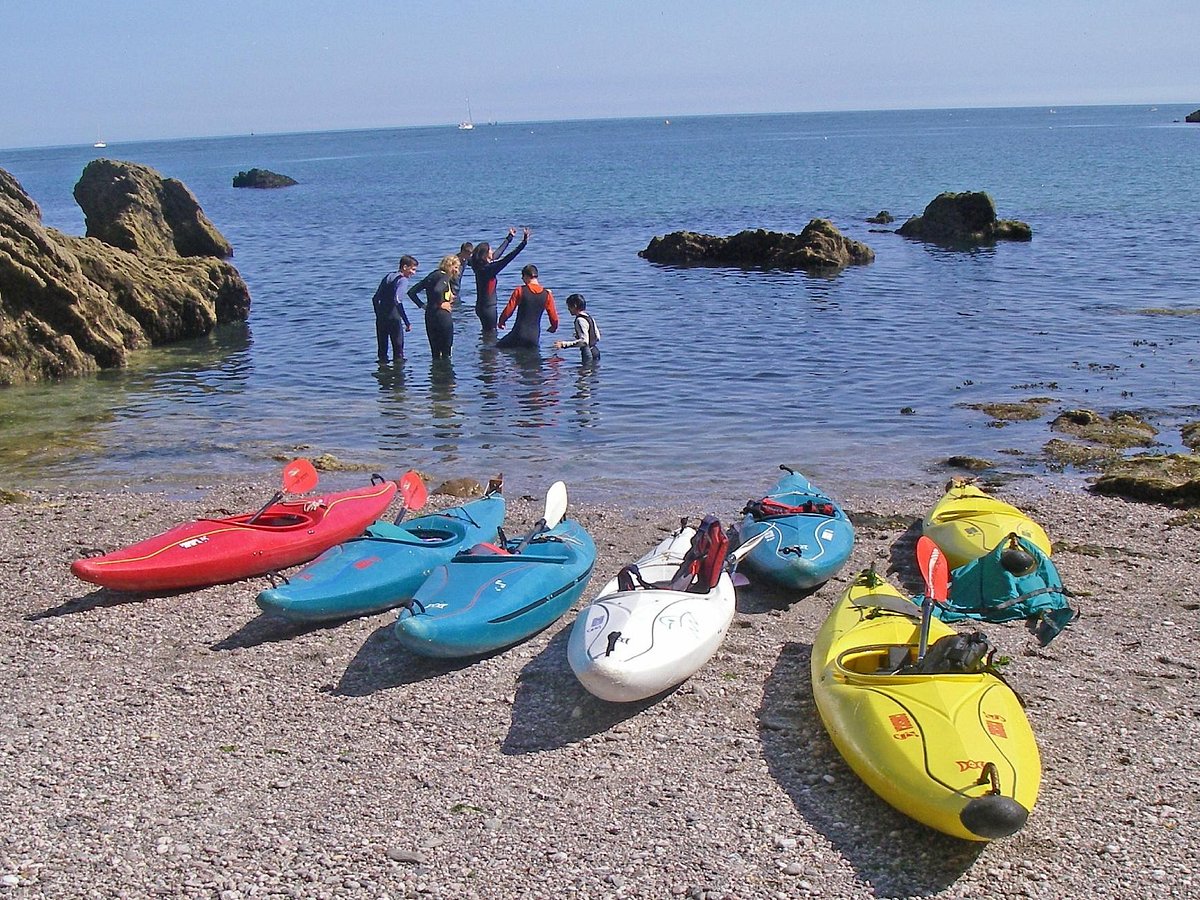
[(897, 856), (269, 629), (101, 598), (552, 709), (381, 663)]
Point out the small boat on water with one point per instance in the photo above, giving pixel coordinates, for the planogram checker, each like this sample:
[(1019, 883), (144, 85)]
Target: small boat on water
[(808, 537), (951, 749), (495, 595), (384, 565), (468, 123), (966, 523), (216, 550), (660, 620)]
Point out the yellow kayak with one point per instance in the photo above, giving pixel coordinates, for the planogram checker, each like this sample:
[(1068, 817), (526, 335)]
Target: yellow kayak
[(967, 523), (953, 751)]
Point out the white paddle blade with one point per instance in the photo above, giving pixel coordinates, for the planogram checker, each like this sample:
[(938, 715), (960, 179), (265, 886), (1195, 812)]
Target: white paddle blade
[(745, 547), (556, 504)]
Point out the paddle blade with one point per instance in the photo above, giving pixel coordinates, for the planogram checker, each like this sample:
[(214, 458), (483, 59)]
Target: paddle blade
[(299, 476), (413, 492), (747, 545), (934, 569), (556, 504)]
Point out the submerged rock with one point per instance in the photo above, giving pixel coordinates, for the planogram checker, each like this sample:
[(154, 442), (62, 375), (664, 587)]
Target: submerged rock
[(820, 246), (964, 219), (71, 305), (262, 178)]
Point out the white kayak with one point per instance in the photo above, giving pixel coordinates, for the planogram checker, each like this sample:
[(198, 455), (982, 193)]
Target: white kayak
[(635, 641)]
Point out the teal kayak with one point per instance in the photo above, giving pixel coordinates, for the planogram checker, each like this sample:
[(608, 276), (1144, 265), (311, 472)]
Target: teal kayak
[(808, 536), (384, 566), (491, 597)]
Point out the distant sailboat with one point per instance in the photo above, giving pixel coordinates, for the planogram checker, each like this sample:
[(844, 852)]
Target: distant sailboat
[(467, 124), (99, 145)]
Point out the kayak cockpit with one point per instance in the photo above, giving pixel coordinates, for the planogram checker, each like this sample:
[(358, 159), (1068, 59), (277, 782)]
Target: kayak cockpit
[(271, 521), (875, 659)]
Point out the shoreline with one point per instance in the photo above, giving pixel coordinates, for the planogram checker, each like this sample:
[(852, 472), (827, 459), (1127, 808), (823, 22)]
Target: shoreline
[(189, 745)]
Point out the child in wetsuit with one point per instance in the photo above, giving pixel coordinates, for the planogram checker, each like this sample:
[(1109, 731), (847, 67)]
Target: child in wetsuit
[(587, 332)]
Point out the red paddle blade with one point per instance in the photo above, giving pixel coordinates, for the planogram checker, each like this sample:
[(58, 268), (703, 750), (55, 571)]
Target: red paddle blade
[(934, 569), (413, 492), (299, 476)]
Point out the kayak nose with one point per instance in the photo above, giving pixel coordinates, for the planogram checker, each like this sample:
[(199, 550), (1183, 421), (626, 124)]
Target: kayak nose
[(993, 816)]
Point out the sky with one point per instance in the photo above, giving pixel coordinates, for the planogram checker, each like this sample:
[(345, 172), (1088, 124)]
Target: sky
[(73, 71)]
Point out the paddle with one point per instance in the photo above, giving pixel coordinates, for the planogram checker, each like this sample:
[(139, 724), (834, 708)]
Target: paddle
[(736, 556), (556, 508), (936, 574), (413, 493), (299, 476)]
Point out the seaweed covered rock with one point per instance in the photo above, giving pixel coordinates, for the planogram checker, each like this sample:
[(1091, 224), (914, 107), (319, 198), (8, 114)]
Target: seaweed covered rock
[(820, 246), (133, 207), (262, 178), (70, 305), (1172, 479), (963, 220), (1120, 429)]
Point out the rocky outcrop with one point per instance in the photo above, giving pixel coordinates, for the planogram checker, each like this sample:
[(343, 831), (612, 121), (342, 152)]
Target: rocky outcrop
[(882, 218), (133, 207), (262, 178), (1192, 117), (819, 246), (1172, 479), (965, 219), (71, 305)]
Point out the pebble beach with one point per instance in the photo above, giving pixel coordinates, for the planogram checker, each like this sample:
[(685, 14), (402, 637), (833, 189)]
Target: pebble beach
[(189, 746)]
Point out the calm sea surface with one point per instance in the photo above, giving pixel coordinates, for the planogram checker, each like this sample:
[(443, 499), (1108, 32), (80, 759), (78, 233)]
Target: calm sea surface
[(710, 377)]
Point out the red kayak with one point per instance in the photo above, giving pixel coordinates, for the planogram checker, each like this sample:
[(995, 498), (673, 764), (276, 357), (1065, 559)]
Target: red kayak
[(213, 551)]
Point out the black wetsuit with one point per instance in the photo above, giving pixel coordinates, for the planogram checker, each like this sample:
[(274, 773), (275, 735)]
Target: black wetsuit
[(439, 323), (390, 317), (527, 330), (485, 283)]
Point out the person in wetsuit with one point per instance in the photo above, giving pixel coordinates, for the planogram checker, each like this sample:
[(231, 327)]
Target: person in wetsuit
[(464, 257), (439, 295), (388, 302), (529, 301), (587, 332), (486, 267)]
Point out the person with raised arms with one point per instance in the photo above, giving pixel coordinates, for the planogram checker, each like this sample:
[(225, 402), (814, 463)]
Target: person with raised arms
[(486, 266)]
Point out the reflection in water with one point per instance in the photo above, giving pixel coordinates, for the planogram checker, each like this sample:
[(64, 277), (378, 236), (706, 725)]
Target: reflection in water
[(538, 390), (584, 405), (391, 385), (447, 416)]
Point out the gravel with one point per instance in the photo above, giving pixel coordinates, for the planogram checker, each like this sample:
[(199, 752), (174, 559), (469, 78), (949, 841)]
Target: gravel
[(190, 746)]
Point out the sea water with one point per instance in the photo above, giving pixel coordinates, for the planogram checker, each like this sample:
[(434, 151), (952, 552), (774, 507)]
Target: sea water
[(711, 377)]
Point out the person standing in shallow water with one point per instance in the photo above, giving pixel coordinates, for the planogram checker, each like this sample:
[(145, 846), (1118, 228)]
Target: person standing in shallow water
[(529, 301), (388, 302), (439, 297), (587, 332), (486, 267)]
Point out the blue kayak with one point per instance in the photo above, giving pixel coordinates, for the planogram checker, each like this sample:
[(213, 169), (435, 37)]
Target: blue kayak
[(490, 597), (384, 566), (808, 540)]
